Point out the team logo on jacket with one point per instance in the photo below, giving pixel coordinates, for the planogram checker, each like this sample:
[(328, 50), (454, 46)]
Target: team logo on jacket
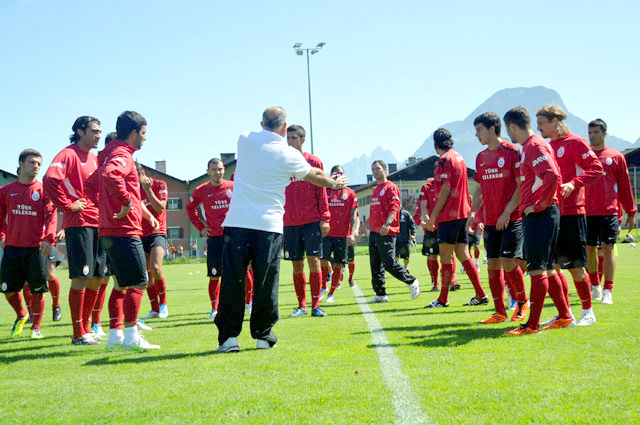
[(229, 193), (501, 162), (4, 287), (560, 152), (609, 161), (85, 269), (35, 196), (214, 271), (382, 192), (344, 197)]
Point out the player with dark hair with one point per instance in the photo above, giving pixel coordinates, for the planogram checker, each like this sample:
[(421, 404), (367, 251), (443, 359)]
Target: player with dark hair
[(604, 198), (579, 167), (28, 229), (450, 213)]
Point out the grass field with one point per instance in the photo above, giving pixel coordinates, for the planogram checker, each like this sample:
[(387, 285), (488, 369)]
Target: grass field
[(326, 370)]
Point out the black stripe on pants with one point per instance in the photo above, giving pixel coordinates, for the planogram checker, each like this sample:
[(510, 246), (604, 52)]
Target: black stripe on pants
[(382, 252)]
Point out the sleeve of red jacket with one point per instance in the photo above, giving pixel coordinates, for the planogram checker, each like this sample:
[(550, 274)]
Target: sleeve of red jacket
[(50, 221), (323, 204), (550, 182), (394, 201), (113, 179), (625, 191), (53, 182), (589, 162), (91, 187), (192, 210)]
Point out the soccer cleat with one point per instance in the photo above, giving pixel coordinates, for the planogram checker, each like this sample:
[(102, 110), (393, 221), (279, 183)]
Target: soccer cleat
[(299, 312), (229, 346), (18, 325), (339, 287), (496, 318), (522, 330), (318, 312), (57, 314), (478, 301), (596, 292), (330, 299), (521, 312), (414, 289), (436, 304), (435, 288), (35, 334), (261, 344), (29, 319), (454, 286), (550, 321), (607, 297), (322, 292), (116, 338), (587, 318), (352, 283), (379, 299), (152, 315), (86, 339), (96, 328), (164, 312), (248, 308), (143, 326), (561, 323), (213, 314), (485, 260), (139, 344)]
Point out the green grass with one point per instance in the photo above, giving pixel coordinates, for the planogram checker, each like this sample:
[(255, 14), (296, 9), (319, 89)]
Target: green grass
[(325, 370)]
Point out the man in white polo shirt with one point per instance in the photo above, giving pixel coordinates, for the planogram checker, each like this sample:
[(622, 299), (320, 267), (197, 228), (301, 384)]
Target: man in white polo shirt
[(253, 228)]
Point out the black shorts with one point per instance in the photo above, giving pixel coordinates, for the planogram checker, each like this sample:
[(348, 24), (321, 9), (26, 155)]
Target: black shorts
[(505, 243), (541, 237), (334, 249), (159, 239), (86, 255), (402, 250), (602, 229), (453, 232), (54, 256), (214, 256), (20, 265), (299, 240), (473, 239), (430, 243), (572, 242), (126, 258), (351, 253)]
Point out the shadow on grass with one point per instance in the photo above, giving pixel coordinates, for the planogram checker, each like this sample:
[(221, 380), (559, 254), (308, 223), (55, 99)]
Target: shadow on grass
[(14, 359), (37, 345), (146, 357)]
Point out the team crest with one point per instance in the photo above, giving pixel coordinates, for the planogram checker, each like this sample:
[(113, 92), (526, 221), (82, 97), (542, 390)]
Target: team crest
[(229, 193), (214, 271), (35, 196), (609, 161), (382, 192), (85, 269), (501, 162), (560, 152), (4, 287), (344, 197)]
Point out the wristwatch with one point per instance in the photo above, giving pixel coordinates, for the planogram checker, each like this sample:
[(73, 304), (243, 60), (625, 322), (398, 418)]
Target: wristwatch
[(388, 223)]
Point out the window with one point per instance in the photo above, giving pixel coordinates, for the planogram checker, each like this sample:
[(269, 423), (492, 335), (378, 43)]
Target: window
[(174, 233), (174, 204)]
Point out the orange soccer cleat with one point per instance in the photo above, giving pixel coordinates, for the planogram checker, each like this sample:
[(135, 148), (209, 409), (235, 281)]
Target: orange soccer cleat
[(496, 318), (522, 330), (521, 312), (561, 323)]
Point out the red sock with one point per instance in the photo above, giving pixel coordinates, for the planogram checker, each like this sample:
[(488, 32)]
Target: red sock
[(248, 287), (316, 286), (76, 302), (565, 287), (583, 289), (97, 307), (352, 268), (447, 271), (26, 291), (600, 267), (594, 278), (608, 284), (214, 292), (116, 309), (516, 278), (300, 285), (161, 290), (15, 301), (556, 292), (90, 297), (132, 301), (325, 276), (153, 296), (539, 286), (472, 271), (37, 307), (496, 285), (54, 288), (432, 265), (335, 279)]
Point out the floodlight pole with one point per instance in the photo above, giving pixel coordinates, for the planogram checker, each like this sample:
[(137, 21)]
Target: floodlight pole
[(297, 47)]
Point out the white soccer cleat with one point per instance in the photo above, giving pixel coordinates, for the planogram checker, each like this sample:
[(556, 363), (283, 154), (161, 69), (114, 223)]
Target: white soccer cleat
[(116, 338), (143, 326), (229, 346), (330, 299), (587, 318), (213, 314), (248, 308), (607, 297), (596, 292), (152, 315), (261, 344), (379, 299), (414, 288), (96, 328), (164, 311), (134, 341)]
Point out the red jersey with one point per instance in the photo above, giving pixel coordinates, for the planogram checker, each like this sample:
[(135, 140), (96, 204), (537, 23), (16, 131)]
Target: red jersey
[(385, 200), (64, 183), (305, 202), (27, 217), (497, 173), (613, 190), (539, 175), (429, 194), (452, 171), (209, 205), (118, 186), (578, 165), (159, 188), (341, 203)]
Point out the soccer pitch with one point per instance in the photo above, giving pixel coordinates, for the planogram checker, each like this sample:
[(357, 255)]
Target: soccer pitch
[(327, 370)]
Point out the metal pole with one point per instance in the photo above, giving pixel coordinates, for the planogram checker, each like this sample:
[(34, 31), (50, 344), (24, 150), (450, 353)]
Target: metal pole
[(309, 85)]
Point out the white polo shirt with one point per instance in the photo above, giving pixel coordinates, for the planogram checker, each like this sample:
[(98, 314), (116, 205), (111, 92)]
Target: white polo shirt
[(264, 169)]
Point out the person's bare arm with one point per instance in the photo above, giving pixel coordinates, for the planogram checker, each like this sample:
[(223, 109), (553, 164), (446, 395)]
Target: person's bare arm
[(319, 178)]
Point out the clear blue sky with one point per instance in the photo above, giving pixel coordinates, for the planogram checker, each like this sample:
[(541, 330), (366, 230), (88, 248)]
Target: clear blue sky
[(203, 71)]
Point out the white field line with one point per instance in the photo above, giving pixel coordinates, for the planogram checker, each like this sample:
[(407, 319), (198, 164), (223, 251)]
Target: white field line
[(405, 403)]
